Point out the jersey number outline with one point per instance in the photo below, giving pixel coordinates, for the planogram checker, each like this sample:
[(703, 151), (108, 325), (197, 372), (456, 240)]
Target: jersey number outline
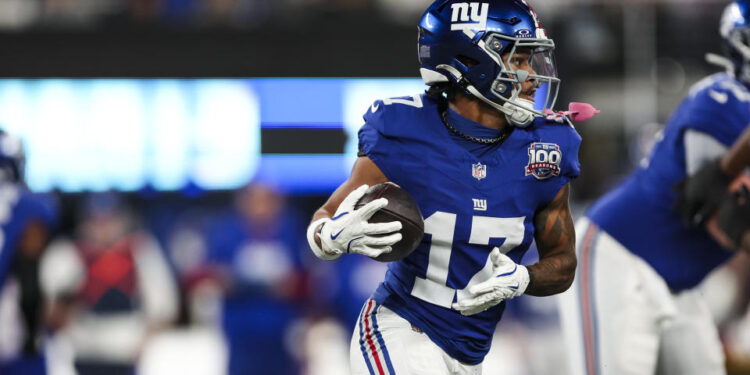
[(416, 101), (441, 225)]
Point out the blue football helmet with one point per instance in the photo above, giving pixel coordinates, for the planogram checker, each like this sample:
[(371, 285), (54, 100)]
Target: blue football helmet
[(12, 158), (735, 33), (490, 34)]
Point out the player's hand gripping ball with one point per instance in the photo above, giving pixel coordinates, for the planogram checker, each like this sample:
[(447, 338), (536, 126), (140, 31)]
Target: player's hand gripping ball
[(401, 207)]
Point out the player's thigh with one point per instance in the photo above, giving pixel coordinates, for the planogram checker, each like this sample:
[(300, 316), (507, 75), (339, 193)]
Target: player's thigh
[(610, 316), (690, 343), (385, 343)]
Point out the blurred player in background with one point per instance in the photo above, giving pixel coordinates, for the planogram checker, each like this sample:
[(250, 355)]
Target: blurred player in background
[(26, 224), (634, 309), (110, 288), (490, 174), (256, 247)]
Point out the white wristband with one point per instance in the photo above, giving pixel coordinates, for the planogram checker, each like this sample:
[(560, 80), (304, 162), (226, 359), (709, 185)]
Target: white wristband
[(524, 279), (320, 253)]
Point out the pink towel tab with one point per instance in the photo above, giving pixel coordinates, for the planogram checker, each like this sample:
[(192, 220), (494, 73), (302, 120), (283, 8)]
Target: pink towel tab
[(576, 111)]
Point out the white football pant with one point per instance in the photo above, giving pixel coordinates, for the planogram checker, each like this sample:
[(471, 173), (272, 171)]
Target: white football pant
[(384, 343), (620, 318)]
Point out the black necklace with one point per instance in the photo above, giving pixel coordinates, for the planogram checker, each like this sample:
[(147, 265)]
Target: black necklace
[(484, 141)]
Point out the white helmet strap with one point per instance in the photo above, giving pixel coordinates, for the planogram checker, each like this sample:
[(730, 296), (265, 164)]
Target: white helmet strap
[(721, 61)]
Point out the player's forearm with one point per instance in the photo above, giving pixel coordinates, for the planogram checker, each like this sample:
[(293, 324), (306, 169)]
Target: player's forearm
[(738, 157), (321, 213), (556, 242), (553, 274)]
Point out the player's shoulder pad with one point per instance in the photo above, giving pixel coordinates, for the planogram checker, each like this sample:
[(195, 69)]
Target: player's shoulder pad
[(719, 93), (552, 129), (396, 116), (718, 105)]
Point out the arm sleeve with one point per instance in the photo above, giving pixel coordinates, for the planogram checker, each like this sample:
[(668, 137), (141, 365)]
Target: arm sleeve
[(715, 111), (570, 166), (374, 145)]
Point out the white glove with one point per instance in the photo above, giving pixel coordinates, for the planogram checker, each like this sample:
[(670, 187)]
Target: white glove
[(349, 232), (509, 280)]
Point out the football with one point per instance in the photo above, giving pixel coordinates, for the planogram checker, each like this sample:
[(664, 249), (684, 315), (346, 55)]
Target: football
[(401, 207)]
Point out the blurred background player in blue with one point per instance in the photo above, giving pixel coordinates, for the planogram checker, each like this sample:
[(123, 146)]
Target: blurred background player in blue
[(256, 249), (634, 308), (26, 224), (110, 287), (489, 171)]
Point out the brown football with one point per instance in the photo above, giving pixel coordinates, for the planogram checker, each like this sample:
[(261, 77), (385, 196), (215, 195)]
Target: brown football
[(401, 207)]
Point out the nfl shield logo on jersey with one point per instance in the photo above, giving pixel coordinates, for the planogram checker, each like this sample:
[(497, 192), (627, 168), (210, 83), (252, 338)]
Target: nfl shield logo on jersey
[(544, 160), (478, 171)]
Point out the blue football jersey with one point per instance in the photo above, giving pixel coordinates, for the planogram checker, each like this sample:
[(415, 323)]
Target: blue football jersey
[(718, 106), (18, 208), (470, 204)]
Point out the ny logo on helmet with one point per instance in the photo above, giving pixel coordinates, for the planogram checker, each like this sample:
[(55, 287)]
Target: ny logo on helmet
[(476, 19)]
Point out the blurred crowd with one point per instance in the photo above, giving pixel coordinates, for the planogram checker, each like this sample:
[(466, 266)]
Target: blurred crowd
[(83, 14), (194, 287), (207, 285)]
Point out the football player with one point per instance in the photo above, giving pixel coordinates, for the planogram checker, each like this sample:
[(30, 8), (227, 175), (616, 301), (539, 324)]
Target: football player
[(490, 173), (633, 308), (25, 227)]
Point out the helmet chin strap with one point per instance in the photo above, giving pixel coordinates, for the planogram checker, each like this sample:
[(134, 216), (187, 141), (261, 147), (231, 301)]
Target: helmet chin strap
[(721, 61), (517, 115)]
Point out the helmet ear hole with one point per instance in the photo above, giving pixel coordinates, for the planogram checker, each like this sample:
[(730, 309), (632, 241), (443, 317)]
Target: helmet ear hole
[(500, 87)]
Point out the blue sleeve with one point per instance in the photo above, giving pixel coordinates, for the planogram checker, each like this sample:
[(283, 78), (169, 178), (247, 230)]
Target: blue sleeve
[(571, 168), (376, 115), (715, 111), (373, 141), (570, 142)]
